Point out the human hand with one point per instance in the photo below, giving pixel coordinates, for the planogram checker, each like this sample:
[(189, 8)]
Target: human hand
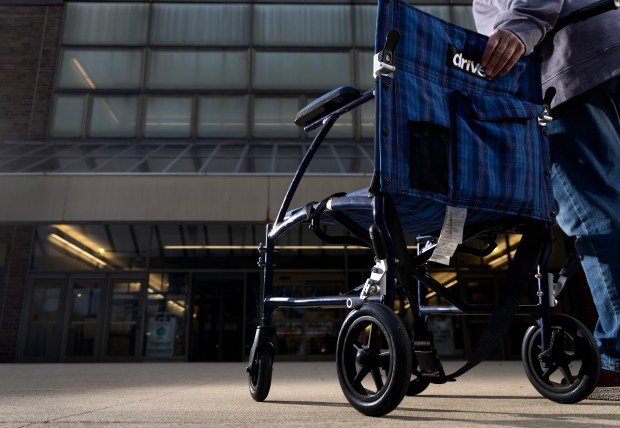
[(501, 53)]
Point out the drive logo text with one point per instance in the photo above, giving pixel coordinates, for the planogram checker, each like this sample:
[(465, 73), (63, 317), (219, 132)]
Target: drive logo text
[(457, 60)]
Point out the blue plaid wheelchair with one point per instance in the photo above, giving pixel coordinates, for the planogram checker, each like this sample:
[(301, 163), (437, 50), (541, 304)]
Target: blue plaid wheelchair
[(459, 159)]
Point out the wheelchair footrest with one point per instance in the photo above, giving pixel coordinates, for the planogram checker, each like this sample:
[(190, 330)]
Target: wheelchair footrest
[(429, 365)]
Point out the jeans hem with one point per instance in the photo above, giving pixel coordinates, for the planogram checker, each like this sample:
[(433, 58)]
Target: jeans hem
[(612, 365)]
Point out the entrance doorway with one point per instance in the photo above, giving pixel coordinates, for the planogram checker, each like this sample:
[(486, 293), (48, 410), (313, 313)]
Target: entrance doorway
[(124, 328), (84, 319), (217, 324), (45, 321)]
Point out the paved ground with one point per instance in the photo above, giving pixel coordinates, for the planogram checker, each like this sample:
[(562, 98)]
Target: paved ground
[(494, 394)]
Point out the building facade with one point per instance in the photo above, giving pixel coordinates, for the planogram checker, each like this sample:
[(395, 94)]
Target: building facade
[(145, 144)]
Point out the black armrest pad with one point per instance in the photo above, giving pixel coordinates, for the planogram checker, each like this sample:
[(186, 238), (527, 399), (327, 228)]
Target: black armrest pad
[(326, 104)]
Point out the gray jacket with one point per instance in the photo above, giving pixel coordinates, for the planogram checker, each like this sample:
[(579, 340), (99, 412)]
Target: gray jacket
[(577, 58)]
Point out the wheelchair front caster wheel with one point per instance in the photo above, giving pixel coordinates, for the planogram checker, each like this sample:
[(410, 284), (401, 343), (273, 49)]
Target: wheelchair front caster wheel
[(373, 358), (417, 384), (259, 375), (569, 371)]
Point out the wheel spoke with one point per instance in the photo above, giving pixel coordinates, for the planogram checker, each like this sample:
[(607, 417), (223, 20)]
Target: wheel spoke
[(376, 376), (372, 336), (546, 374), (384, 359), (565, 369), (385, 354), (359, 377)]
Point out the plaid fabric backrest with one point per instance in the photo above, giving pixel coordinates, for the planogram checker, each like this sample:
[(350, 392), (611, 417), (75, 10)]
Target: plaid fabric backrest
[(447, 133)]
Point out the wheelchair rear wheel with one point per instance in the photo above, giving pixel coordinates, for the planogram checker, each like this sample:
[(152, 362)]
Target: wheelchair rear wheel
[(259, 376), (373, 359), (569, 371)]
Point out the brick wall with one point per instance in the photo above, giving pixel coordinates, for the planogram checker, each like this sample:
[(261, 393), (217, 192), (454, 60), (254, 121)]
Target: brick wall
[(28, 53), (15, 242)]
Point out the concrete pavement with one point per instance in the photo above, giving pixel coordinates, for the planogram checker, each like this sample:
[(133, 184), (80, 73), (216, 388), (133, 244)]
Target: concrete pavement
[(494, 394)]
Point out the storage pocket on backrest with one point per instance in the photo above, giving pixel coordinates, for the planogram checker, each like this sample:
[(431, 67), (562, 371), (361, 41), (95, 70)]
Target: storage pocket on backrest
[(500, 153), (429, 157)]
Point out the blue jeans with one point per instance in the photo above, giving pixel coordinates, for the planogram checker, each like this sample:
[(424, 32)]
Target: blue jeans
[(585, 150)]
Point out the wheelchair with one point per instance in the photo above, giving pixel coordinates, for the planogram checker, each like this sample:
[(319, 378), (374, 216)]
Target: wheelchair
[(458, 160)]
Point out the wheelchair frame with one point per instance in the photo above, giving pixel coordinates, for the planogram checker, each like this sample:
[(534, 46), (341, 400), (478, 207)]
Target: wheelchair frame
[(545, 348)]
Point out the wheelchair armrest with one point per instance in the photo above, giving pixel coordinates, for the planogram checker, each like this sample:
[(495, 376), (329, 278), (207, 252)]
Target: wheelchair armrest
[(326, 104)]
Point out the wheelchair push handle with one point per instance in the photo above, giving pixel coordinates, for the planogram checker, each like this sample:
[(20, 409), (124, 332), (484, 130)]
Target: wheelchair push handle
[(587, 12)]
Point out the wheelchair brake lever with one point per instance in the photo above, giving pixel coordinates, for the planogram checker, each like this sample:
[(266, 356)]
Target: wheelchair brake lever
[(384, 60)]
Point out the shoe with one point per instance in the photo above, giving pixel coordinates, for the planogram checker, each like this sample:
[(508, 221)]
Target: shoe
[(608, 378)]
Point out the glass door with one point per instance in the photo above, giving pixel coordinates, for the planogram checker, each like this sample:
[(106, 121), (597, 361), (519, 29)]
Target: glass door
[(83, 342), (125, 319), (217, 318), (166, 310), (44, 330)]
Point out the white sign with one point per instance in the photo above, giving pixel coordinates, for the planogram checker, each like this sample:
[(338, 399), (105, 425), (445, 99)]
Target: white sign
[(160, 336)]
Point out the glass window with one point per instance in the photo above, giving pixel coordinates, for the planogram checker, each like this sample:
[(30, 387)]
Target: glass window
[(365, 77), (222, 116), (111, 149), (226, 159), (124, 245), (325, 166), (85, 315), (89, 247), (100, 69), (273, 117), (258, 159), (197, 70), (168, 117), (44, 324), (302, 70), (106, 23), (81, 149), (302, 25), (114, 116), (441, 11), (200, 24), (178, 246), (185, 165), (365, 25), (124, 319), (352, 158), (153, 165), (288, 157), (55, 251), (193, 159), (463, 16), (118, 165), (368, 120), (165, 315), (68, 116)]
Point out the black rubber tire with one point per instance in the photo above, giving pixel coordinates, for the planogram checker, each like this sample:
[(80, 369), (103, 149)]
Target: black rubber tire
[(259, 377), (574, 363), (373, 341)]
